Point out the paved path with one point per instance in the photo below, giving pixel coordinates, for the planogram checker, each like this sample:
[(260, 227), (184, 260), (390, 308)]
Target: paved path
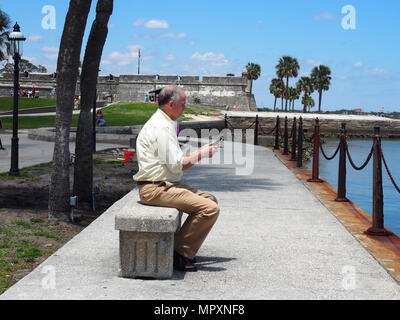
[(273, 240), (33, 152)]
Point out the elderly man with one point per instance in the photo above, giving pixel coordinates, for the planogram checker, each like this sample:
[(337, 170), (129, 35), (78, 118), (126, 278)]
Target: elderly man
[(161, 163)]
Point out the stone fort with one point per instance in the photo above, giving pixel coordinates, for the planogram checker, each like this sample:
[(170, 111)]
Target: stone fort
[(226, 91)]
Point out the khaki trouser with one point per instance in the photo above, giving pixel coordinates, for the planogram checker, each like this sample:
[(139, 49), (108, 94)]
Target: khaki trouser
[(201, 207)]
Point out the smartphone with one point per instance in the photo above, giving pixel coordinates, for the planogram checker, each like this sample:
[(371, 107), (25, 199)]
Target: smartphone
[(218, 142)]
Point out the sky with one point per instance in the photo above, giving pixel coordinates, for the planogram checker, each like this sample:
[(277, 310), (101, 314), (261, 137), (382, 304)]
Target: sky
[(357, 39)]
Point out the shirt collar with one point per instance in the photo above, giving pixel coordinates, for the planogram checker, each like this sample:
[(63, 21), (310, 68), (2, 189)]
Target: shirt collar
[(167, 117)]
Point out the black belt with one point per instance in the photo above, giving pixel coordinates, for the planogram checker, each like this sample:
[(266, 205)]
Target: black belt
[(146, 182)]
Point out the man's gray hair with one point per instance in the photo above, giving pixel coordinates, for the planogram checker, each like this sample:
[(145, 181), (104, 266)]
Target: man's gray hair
[(169, 93)]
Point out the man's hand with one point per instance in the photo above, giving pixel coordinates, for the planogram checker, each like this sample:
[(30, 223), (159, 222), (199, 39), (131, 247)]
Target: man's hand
[(206, 151)]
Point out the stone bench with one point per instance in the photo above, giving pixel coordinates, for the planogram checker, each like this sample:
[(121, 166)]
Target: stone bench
[(146, 239)]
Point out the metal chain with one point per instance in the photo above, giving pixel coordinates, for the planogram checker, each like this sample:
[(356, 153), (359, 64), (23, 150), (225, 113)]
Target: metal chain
[(325, 156), (389, 174), (351, 160)]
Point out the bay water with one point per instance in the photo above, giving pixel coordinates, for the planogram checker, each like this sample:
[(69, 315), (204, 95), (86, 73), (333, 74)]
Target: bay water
[(359, 183)]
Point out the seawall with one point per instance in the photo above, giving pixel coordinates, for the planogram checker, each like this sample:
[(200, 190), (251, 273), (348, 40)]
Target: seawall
[(330, 124)]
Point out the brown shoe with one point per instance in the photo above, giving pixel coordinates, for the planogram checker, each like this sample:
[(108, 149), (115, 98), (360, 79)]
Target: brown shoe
[(182, 263)]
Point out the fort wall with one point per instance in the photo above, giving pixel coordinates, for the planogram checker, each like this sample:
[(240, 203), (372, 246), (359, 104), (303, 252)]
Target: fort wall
[(210, 90)]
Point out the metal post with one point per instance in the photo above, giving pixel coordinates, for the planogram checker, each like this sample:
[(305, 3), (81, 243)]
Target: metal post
[(14, 171), (377, 228), (226, 121), (94, 119), (300, 145), (256, 132), (276, 147), (315, 167), (286, 138), (341, 192), (293, 156)]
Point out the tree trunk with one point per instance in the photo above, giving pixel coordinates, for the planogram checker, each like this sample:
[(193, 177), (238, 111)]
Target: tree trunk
[(83, 173), (319, 102), (67, 74), (287, 93)]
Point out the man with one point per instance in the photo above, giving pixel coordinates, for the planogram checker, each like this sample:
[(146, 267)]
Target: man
[(161, 163)]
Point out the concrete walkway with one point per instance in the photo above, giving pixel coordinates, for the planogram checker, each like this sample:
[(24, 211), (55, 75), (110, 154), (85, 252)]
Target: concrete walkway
[(33, 152), (273, 240)]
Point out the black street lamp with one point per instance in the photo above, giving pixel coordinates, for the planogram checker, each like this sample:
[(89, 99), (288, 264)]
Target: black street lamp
[(15, 39)]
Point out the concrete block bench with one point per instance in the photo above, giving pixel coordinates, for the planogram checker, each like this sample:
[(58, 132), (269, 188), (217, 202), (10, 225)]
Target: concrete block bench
[(146, 239)]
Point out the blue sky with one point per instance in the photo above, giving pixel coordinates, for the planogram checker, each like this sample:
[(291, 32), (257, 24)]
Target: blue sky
[(220, 37)]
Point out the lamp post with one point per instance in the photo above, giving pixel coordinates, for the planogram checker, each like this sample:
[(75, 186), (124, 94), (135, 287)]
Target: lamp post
[(16, 39)]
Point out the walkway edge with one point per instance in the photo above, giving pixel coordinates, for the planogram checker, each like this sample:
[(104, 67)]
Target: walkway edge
[(385, 250)]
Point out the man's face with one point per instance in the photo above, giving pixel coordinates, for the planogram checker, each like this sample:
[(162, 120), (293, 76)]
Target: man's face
[(178, 108)]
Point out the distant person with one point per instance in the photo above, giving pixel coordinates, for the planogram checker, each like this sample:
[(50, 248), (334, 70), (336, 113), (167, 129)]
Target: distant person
[(99, 119), (53, 92), (33, 92), (11, 92), (146, 98)]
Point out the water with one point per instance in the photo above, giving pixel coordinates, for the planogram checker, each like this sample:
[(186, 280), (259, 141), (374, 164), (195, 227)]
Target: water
[(359, 183)]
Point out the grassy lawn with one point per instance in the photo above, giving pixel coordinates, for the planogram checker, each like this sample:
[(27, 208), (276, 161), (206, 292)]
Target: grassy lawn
[(20, 244), (7, 103), (120, 114)]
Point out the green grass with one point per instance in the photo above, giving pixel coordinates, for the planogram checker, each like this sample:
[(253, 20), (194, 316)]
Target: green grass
[(7, 103), (17, 249), (120, 114)]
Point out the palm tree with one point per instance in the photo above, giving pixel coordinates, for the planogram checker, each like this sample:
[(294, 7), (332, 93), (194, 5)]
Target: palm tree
[(308, 101), (306, 85), (4, 27), (67, 75), (253, 72), (83, 172), (286, 68), (276, 88), (322, 79)]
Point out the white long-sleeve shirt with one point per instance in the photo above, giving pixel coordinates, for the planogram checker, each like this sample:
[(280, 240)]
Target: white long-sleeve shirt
[(158, 152)]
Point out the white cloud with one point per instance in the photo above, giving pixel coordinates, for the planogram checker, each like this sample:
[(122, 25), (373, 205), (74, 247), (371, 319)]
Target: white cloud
[(31, 59), (35, 37), (156, 24), (209, 56), (125, 58), (192, 42), (51, 56), (50, 49), (313, 62), (139, 22), (168, 35), (358, 64), (151, 24), (376, 71), (170, 57), (326, 15), (112, 26), (105, 62)]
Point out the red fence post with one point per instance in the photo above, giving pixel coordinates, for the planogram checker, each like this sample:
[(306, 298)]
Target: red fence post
[(377, 228), (341, 192), (315, 167)]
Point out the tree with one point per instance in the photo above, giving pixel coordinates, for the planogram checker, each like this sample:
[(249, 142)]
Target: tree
[(24, 66), (5, 24), (253, 72), (67, 74), (308, 101), (293, 95), (286, 68), (83, 174), (276, 88), (306, 85), (322, 79)]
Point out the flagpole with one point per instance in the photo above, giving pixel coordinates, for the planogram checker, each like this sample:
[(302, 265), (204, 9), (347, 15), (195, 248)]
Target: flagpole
[(138, 70)]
